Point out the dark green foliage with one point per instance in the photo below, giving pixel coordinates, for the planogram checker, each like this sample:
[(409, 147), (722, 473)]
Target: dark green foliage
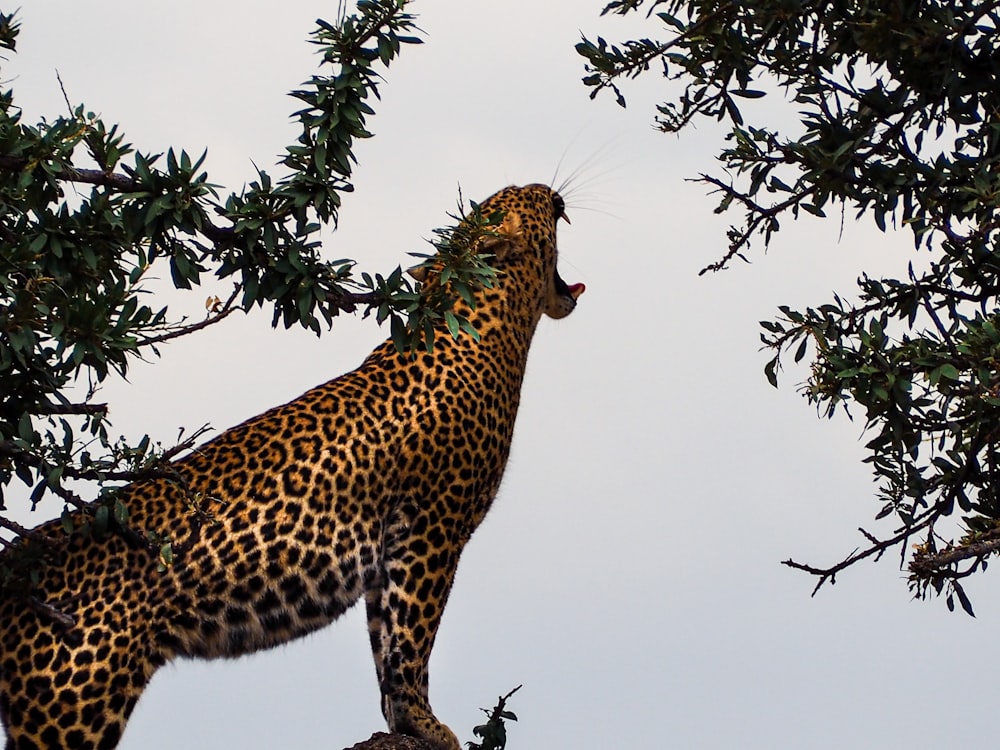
[(494, 732), (897, 121), (73, 261), (460, 268)]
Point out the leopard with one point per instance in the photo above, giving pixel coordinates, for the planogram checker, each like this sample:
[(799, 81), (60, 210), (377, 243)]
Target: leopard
[(367, 487)]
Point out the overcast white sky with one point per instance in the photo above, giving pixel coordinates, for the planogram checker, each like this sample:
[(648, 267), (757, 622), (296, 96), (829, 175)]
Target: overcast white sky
[(629, 572)]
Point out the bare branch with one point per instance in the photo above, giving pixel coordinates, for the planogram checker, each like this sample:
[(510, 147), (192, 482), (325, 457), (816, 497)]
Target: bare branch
[(119, 182), (101, 409), (26, 533), (877, 548)]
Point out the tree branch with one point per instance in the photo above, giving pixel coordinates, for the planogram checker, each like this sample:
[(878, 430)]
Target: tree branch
[(930, 564), (115, 180), (877, 548), (120, 182), (158, 469), (67, 622), (759, 213), (48, 409), (31, 534), (227, 309)]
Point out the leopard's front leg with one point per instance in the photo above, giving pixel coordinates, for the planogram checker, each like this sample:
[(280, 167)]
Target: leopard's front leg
[(404, 605)]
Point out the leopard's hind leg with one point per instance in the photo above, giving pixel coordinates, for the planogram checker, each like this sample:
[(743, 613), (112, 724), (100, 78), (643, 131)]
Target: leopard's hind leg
[(72, 688)]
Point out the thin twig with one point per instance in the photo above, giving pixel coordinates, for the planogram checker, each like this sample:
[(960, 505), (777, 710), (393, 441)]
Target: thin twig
[(51, 612), (925, 301), (62, 88), (228, 308), (67, 496)]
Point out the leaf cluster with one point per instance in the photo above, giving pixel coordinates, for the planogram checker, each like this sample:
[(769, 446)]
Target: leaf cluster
[(494, 732), (897, 106), (452, 274)]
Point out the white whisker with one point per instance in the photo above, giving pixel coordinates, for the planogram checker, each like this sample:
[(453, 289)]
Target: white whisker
[(579, 183)]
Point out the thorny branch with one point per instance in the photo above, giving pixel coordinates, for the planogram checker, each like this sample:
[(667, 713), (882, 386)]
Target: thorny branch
[(877, 549), (757, 215)]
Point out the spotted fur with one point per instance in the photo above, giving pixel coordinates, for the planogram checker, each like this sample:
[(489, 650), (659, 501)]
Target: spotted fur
[(367, 486)]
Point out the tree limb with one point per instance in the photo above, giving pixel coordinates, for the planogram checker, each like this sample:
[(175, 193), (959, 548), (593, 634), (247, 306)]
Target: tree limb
[(120, 182), (31, 534), (51, 409), (930, 564)]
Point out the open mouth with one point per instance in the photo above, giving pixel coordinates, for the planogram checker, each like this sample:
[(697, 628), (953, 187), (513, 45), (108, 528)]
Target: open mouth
[(569, 291)]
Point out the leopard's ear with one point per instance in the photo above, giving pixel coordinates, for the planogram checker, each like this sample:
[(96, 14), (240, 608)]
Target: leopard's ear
[(418, 273), (502, 243)]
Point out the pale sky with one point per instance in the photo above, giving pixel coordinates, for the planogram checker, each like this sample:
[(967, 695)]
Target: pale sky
[(628, 574)]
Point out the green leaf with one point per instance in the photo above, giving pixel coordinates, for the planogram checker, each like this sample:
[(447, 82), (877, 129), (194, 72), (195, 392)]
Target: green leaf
[(66, 520), (963, 599), (949, 371), (771, 372), (25, 429), (454, 327), (801, 351), (101, 518), (120, 513), (166, 556), (37, 492)]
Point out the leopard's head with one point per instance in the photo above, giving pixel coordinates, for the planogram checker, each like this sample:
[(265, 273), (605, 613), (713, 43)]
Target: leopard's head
[(520, 235), (525, 244)]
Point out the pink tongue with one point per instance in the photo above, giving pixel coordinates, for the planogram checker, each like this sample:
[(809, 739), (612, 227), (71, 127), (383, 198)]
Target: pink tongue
[(575, 290)]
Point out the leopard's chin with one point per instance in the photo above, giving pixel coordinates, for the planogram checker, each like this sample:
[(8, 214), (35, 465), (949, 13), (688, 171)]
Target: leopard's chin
[(566, 297)]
